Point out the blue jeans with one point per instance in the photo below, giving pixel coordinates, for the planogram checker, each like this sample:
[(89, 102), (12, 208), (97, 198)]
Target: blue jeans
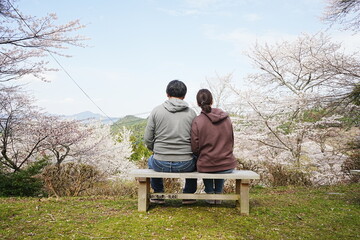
[(215, 185), (165, 166)]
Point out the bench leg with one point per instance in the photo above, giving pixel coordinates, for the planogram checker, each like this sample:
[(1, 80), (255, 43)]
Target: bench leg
[(242, 187), (237, 191), (143, 194)]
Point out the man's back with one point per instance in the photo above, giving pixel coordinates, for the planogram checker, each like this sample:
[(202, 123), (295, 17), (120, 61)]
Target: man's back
[(167, 132)]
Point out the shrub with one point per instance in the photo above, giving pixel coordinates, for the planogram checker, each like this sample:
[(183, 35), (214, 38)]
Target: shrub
[(118, 187), (284, 176), (353, 160), (229, 186), (70, 179), (173, 185), (142, 163), (313, 115), (249, 165), (23, 182)]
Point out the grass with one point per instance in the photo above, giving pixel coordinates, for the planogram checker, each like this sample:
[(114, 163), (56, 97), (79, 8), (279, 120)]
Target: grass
[(331, 212)]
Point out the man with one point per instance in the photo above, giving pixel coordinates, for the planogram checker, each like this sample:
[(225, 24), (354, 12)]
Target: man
[(167, 134)]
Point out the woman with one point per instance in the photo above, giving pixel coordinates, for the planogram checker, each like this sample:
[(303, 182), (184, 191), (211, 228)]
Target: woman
[(212, 141)]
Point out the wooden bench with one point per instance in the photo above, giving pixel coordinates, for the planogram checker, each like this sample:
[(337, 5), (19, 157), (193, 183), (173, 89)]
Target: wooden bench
[(241, 195)]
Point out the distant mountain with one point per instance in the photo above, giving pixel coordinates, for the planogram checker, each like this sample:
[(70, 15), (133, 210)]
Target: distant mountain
[(136, 124), (88, 116)]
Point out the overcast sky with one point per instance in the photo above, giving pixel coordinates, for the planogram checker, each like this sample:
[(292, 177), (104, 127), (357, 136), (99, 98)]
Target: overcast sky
[(137, 46)]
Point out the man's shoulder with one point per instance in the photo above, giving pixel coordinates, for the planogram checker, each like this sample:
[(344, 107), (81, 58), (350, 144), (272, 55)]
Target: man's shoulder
[(192, 111), (160, 110), (157, 109)]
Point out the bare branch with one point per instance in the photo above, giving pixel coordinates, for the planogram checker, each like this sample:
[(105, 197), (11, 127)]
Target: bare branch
[(26, 40), (344, 12)]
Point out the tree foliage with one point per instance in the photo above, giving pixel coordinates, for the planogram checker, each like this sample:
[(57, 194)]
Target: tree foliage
[(219, 88), (309, 73), (27, 134), (137, 127), (65, 140), (26, 40), (106, 152), (303, 90), (345, 12), (23, 128), (23, 183), (311, 65)]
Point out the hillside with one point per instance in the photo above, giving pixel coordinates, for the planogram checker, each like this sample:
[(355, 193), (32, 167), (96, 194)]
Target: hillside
[(128, 121), (136, 124)]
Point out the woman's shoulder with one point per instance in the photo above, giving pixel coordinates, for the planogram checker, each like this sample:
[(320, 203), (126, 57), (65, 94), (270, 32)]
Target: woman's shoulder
[(200, 116)]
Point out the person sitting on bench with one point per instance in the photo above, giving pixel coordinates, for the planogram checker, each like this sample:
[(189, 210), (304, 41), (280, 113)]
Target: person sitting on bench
[(212, 140), (167, 135)]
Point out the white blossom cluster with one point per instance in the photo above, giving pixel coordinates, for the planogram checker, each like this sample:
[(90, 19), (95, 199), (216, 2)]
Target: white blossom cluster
[(319, 157), (105, 152)]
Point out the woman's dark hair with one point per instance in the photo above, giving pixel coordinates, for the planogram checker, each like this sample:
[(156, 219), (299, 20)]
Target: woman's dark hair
[(204, 100), (176, 88)]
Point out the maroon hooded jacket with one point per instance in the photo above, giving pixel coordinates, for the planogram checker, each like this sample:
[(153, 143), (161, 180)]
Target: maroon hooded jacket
[(212, 140)]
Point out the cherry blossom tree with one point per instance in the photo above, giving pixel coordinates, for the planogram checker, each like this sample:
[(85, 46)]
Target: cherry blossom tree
[(23, 129), (303, 88), (107, 152), (312, 65), (26, 40), (90, 143), (345, 12), (223, 89), (218, 86), (64, 139)]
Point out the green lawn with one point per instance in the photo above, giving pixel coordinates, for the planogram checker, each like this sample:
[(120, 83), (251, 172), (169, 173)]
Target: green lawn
[(275, 213)]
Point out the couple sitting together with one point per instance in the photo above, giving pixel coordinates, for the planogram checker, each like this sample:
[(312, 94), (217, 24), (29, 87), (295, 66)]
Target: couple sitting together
[(183, 142)]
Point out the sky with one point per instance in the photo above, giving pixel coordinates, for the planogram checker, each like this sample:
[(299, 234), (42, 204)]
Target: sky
[(136, 47)]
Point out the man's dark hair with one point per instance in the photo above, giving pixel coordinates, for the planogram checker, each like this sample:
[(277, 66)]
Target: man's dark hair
[(176, 88)]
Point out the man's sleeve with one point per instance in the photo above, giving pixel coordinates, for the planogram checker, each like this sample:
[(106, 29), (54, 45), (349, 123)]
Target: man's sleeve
[(194, 138), (149, 133)]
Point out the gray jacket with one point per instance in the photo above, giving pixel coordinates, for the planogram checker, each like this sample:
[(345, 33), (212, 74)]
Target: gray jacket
[(167, 132)]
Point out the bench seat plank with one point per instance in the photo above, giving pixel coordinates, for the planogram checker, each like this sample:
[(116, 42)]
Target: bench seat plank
[(236, 174)]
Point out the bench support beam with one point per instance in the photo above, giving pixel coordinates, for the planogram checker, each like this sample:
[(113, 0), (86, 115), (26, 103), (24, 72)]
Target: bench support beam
[(201, 196)]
